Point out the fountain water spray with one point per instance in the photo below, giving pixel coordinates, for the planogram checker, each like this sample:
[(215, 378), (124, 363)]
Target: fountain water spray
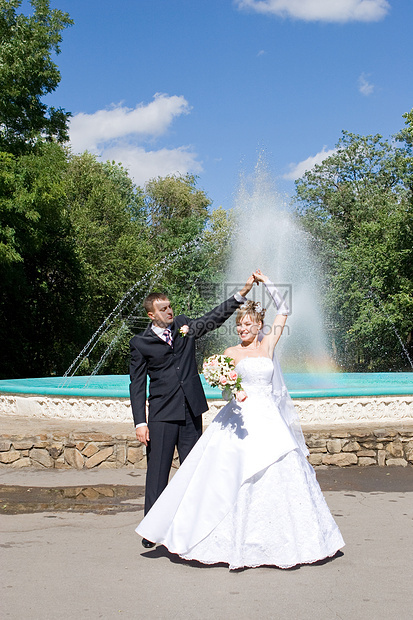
[(269, 238)]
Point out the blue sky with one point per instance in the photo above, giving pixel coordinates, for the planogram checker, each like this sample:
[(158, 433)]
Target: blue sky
[(204, 86)]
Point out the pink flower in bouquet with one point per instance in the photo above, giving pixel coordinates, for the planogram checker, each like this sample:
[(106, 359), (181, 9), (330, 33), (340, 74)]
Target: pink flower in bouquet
[(233, 375), (241, 396), (223, 380)]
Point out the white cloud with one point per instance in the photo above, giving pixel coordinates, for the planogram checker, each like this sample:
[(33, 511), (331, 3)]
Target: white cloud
[(88, 131), (119, 134), (365, 87), (297, 170), (144, 165), (321, 10)]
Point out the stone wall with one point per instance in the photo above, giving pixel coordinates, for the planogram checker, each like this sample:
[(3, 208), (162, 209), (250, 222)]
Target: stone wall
[(78, 450), (88, 449), (363, 447)]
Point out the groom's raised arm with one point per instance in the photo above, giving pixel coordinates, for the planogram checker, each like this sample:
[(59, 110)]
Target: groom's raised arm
[(217, 316)]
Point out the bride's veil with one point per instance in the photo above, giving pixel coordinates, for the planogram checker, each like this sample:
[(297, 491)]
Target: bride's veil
[(285, 403), (286, 406)]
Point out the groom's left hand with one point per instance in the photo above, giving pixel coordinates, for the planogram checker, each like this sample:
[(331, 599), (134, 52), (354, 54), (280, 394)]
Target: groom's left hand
[(247, 287)]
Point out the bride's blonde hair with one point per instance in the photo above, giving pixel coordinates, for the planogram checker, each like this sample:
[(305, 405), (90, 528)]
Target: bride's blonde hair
[(252, 309)]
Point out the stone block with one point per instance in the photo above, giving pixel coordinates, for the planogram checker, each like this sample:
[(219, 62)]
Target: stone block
[(41, 456), (90, 493), (40, 443), (24, 462), (381, 457), (74, 458), (5, 445), (60, 463), (125, 436), (372, 445), (409, 455), (55, 450), (340, 434), (134, 454), (134, 444), (385, 435), (314, 442), (59, 436), (23, 444), (80, 445), (90, 450), (396, 462), (9, 457), (395, 449), (106, 491), (366, 460), (121, 454), (108, 465), (317, 450), (341, 460), (361, 434), (334, 446), (366, 453), (315, 459), (351, 446), (99, 457)]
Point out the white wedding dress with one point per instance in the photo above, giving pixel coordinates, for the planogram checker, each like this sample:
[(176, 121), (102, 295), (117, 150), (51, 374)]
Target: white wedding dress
[(246, 494)]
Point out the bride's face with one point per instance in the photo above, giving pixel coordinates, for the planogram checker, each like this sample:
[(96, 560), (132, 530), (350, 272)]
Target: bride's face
[(248, 328)]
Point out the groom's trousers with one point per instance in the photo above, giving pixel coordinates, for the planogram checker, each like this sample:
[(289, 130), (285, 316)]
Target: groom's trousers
[(164, 436)]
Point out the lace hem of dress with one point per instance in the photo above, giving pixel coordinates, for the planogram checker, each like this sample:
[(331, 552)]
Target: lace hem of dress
[(281, 566)]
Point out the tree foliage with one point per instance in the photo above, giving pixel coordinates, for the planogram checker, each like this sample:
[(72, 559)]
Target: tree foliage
[(76, 235), (28, 73), (357, 205), (40, 294)]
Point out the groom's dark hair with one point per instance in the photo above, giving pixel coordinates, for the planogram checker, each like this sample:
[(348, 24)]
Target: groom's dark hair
[(148, 301)]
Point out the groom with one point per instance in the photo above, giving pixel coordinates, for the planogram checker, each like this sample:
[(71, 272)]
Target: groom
[(165, 352)]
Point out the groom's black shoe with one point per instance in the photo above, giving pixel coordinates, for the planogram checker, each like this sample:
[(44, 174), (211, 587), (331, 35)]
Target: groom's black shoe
[(147, 543)]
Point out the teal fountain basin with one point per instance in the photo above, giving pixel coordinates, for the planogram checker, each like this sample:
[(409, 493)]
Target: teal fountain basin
[(300, 385)]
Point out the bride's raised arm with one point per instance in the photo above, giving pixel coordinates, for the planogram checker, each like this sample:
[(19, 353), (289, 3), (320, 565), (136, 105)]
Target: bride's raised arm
[(271, 339)]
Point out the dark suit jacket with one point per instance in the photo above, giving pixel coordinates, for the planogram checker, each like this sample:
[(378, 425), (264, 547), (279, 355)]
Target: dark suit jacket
[(172, 371)]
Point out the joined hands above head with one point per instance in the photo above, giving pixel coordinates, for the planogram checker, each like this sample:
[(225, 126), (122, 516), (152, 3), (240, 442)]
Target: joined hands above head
[(256, 278), (259, 276)]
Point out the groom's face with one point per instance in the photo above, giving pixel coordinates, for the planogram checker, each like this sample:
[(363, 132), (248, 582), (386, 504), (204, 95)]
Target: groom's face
[(162, 314)]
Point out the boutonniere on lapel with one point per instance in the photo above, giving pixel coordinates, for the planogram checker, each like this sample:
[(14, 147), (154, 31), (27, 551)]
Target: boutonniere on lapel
[(184, 330)]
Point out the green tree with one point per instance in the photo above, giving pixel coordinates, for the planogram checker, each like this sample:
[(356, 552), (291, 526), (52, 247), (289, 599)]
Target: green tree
[(357, 205), (111, 237), (40, 273), (28, 73), (193, 243), (406, 134)]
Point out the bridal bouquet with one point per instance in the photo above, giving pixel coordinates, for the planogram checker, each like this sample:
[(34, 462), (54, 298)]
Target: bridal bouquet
[(219, 371)]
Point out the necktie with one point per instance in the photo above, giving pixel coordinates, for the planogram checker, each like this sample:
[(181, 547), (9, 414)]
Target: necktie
[(168, 337)]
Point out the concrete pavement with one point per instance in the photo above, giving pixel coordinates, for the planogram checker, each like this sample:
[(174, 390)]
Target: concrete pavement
[(64, 564)]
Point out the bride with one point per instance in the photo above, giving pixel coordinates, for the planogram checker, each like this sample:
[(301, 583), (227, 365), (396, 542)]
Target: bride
[(246, 494)]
